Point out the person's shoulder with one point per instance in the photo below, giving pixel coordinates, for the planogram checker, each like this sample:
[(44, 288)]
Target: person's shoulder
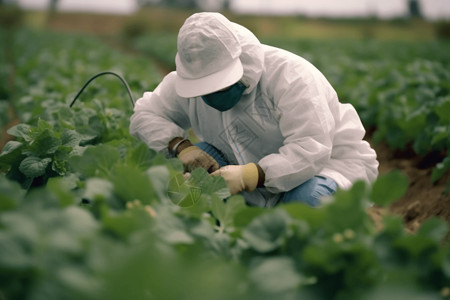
[(279, 57), (170, 77), (276, 51)]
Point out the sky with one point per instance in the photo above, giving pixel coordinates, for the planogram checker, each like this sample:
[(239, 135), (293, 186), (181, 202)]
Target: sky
[(432, 9)]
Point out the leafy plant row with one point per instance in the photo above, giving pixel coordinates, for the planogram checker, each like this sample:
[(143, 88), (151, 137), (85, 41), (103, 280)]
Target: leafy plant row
[(56, 67), (110, 229), (47, 77), (88, 212)]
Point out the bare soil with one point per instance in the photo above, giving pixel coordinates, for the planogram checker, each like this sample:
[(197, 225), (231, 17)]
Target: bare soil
[(423, 199)]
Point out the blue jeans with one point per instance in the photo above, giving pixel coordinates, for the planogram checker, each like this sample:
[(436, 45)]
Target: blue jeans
[(310, 192)]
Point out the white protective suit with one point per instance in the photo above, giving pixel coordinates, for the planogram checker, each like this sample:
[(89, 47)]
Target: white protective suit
[(289, 121)]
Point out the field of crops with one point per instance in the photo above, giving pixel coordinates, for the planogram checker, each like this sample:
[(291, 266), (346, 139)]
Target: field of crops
[(87, 211)]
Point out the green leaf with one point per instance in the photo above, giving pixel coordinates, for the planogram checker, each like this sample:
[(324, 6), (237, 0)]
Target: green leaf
[(225, 211), (182, 193), (276, 275), (414, 245), (141, 156), (266, 233), (443, 110), (98, 189), (244, 216), (209, 184), (132, 184), (45, 143), (11, 153), (434, 229), (440, 169), (350, 203), (313, 216), (389, 187), (11, 194), (71, 138), (63, 187), (159, 177), (440, 134), (22, 131), (34, 166), (96, 161), (43, 125), (10, 147)]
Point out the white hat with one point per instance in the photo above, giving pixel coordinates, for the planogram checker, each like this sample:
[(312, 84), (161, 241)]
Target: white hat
[(208, 55)]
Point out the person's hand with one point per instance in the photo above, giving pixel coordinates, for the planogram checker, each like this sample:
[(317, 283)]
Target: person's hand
[(193, 157), (239, 177)]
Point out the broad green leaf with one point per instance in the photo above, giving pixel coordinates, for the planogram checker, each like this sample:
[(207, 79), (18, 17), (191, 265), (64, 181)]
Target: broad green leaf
[(98, 189), (440, 169), (63, 187), (352, 204), (141, 156), (414, 245), (179, 192), (171, 228), (209, 184), (21, 131), (159, 177), (11, 194), (10, 147), (60, 160), (182, 193), (225, 211), (246, 215), (313, 216), (276, 275), (45, 143), (43, 125), (95, 161), (443, 110), (440, 134), (132, 184), (124, 222), (34, 166), (389, 187), (434, 229), (266, 233), (11, 153), (71, 138)]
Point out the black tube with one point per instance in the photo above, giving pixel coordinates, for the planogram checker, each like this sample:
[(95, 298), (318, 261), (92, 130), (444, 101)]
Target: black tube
[(98, 75)]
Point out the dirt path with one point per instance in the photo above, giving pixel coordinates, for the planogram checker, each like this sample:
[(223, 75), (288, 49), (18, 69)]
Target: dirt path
[(423, 199)]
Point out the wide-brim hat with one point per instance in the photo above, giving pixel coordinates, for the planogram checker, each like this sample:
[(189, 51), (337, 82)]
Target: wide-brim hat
[(208, 55)]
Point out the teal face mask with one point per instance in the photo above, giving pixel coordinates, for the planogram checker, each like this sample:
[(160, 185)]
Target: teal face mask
[(225, 100)]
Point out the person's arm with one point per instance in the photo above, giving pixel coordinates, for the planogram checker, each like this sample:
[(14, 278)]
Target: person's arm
[(161, 119), (160, 116)]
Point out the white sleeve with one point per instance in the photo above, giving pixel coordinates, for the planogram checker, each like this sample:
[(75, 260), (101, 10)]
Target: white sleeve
[(161, 115), (303, 98)]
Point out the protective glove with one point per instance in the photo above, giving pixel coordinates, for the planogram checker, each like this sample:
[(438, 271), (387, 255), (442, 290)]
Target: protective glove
[(240, 177), (192, 156)]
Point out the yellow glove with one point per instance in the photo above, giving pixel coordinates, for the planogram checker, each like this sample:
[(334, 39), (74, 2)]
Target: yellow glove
[(239, 177), (193, 157)]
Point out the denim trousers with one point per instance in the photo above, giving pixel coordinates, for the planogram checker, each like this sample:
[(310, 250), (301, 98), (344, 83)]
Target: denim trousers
[(309, 192)]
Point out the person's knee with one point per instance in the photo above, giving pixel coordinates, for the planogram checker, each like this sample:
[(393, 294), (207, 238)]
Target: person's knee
[(311, 192)]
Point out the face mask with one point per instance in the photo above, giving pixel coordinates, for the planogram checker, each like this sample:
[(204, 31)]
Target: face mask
[(225, 100)]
